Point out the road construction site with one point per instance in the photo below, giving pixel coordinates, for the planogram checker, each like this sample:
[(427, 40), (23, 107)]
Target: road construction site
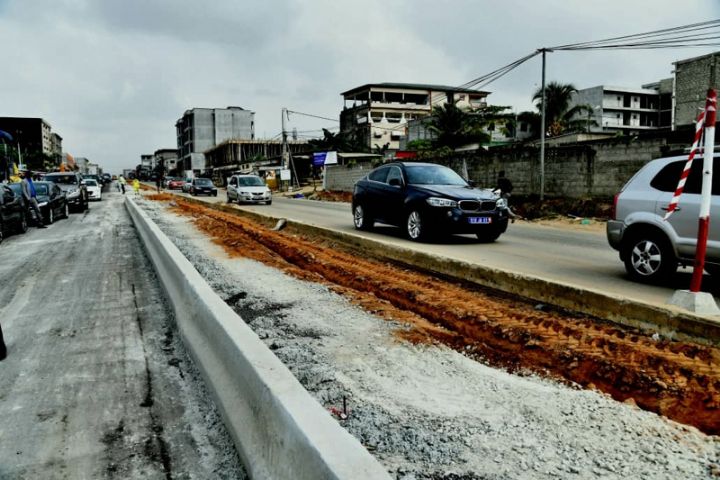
[(440, 378)]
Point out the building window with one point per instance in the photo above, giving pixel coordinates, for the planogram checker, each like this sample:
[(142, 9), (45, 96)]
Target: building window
[(393, 117)]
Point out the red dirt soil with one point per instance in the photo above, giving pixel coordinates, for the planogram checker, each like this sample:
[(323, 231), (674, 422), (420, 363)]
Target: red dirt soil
[(680, 380)]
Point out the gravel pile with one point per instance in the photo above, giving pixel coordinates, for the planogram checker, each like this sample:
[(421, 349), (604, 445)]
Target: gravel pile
[(429, 412)]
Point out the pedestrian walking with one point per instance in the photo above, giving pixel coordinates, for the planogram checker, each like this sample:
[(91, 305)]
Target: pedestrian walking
[(159, 183), (505, 186), (121, 184), (136, 186), (30, 196)]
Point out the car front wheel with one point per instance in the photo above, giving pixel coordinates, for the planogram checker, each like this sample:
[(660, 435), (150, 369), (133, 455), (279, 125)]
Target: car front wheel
[(23, 225), (649, 258), (415, 226), (361, 219), (51, 215), (66, 211)]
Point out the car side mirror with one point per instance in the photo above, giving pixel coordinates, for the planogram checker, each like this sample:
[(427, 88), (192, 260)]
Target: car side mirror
[(395, 182)]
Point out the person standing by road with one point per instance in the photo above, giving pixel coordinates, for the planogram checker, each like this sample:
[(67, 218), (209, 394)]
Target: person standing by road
[(121, 184), (505, 186), (159, 183), (30, 196), (136, 186)]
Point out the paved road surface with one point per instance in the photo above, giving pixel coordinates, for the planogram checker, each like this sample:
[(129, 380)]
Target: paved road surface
[(567, 255), (97, 383)]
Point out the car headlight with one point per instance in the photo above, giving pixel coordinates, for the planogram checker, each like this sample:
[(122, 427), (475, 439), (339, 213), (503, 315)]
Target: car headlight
[(42, 204), (441, 202), (501, 203), (244, 193)]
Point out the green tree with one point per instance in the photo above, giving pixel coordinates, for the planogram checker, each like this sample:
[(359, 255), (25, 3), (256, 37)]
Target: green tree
[(338, 142), (560, 117), (454, 127)]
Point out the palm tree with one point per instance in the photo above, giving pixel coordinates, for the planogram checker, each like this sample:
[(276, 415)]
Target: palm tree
[(560, 117), (454, 127)]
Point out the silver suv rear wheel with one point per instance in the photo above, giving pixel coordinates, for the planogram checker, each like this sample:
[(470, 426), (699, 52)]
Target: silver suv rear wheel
[(649, 258)]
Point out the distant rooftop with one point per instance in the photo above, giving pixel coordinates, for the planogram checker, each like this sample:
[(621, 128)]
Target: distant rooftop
[(413, 86)]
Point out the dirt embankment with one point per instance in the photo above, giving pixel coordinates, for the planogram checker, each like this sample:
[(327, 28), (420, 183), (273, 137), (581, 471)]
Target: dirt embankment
[(677, 379)]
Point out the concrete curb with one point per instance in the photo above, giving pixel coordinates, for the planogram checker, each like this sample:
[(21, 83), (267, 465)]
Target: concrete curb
[(669, 321), (280, 431)]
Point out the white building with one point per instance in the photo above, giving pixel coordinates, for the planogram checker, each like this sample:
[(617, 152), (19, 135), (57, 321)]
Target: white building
[(378, 113), (619, 109)]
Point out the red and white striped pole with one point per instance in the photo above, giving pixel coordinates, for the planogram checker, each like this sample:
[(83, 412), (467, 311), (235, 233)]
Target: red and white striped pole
[(704, 221), (699, 125)]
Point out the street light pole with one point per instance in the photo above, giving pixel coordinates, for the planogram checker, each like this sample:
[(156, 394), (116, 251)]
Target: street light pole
[(542, 129)]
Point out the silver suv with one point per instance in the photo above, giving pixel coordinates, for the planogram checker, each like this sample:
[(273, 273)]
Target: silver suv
[(653, 248)]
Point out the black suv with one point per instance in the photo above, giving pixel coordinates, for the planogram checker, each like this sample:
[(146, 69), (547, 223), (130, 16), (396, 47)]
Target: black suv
[(425, 199), (73, 186), (12, 212)]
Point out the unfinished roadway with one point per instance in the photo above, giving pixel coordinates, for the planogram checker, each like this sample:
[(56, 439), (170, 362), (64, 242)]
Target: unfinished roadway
[(337, 354)]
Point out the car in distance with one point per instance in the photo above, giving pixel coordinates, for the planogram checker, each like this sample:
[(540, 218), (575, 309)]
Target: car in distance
[(248, 189), (74, 188), (13, 215), (650, 247), (175, 183), (426, 199), (51, 200), (94, 190), (203, 186), (186, 186)]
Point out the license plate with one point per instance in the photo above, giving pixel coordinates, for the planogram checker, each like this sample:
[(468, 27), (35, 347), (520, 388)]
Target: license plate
[(476, 220)]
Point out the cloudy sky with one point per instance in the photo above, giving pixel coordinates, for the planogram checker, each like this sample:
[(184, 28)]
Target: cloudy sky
[(113, 76)]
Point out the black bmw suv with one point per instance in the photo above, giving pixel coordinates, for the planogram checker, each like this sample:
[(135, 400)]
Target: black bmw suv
[(427, 199)]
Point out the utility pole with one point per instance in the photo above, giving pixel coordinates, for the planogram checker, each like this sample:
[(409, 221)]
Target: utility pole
[(285, 155), (542, 129)]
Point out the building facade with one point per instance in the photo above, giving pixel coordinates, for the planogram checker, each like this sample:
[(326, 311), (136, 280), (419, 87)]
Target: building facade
[(619, 109), (56, 148), (378, 114), (693, 77), (168, 158), (200, 129), (32, 138)]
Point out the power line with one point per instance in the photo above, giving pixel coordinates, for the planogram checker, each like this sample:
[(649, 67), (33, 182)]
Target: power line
[(314, 116)]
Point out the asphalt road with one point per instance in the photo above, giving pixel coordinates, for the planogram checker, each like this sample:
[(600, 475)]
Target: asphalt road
[(97, 383), (563, 254)]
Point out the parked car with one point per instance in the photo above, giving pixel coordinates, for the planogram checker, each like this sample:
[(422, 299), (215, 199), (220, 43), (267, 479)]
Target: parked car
[(74, 188), (248, 189), (426, 199), (92, 176), (94, 189), (651, 248), (203, 186), (186, 186), (51, 200), (13, 215), (175, 183)]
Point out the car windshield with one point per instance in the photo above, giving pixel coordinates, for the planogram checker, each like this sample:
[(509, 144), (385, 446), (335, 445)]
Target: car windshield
[(203, 181), (433, 175), (64, 179), (90, 182), (41, 188), (250, 182)]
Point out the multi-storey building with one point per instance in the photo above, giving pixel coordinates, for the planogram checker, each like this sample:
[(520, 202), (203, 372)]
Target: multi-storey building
[(32, 136), (200, 129), (56, 148), (693, 77), (168, 157), (378, 113), (620, 109)]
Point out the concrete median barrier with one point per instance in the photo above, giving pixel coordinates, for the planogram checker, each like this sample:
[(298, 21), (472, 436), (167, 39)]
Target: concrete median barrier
[(280, 431)]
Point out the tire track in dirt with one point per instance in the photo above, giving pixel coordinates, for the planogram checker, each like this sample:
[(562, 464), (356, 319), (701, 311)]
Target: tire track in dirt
[(680, 380)]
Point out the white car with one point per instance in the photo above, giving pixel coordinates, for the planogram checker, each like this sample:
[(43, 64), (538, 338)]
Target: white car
[(94, 189), (248, 189)]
